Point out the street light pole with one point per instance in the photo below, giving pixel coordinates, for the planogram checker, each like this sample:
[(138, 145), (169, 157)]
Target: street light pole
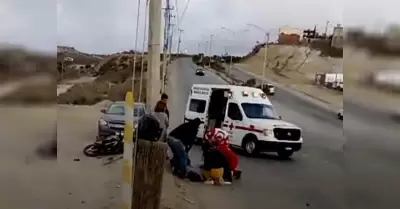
[(209, 60), (266, 38), (198, 51), (231, 58)]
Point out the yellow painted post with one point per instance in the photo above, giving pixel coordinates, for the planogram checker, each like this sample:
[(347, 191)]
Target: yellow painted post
[(127, 179)]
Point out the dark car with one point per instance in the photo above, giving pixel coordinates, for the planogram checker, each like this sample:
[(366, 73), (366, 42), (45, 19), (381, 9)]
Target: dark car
[(113, 119), (268, 89), (200, 71)]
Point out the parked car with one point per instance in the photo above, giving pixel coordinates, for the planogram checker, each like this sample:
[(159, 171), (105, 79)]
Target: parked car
[(200, 71), (113, 119), (269, 89)]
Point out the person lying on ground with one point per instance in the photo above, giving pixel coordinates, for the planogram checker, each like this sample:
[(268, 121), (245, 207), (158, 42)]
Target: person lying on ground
[(187, 133)]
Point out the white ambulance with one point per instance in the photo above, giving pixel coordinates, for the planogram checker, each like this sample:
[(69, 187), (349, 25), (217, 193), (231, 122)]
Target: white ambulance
[(247, 114)]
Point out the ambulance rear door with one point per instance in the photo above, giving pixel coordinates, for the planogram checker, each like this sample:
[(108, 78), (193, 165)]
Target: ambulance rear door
[(197, 106)]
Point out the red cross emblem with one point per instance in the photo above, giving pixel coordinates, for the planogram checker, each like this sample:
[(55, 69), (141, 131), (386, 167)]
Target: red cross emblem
[(231, 126)]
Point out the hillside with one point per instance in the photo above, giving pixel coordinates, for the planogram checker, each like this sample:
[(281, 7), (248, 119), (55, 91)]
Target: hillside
[(295, 66), (113, 80), (78, 56)]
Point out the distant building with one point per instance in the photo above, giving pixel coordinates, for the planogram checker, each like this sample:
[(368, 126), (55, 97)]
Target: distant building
[(337, 37), (292, 39), (290, 31), (290, 36)]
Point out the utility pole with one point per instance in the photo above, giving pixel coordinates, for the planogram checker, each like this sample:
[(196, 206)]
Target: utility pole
[(326, 29), (171, 39), (266, 37), (198, 48), (153, 55), (179, 41), (209, 60), (167, 26), (230, 63)]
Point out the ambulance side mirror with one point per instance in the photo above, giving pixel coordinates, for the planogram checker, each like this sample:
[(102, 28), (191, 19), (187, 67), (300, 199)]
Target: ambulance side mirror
[(280, 117)]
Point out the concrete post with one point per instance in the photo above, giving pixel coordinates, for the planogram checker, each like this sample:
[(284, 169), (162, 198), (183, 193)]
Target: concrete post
[(153, 70)]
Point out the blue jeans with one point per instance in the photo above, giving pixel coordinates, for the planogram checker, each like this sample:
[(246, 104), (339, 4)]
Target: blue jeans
[(180, 159)]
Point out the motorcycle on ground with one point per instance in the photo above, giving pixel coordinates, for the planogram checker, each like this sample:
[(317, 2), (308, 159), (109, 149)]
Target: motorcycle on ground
[(104, 146)]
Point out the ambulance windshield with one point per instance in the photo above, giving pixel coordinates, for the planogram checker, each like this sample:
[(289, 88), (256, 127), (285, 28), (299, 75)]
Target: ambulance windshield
[(259, 111)]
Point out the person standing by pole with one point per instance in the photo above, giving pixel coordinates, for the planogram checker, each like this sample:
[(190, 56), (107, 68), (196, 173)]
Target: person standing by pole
[(164, 98)]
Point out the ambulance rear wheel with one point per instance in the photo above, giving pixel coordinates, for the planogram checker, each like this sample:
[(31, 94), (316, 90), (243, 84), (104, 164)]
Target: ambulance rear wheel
[(250, 145)]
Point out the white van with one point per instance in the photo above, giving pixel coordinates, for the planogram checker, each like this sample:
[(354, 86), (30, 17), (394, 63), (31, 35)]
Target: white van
[(247, 114)]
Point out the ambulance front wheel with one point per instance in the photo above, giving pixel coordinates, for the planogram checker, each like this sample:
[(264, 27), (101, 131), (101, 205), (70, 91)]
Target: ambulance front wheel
[(250, 145)]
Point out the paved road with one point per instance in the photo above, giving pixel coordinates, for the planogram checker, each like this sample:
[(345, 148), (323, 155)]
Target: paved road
[(321, 175)]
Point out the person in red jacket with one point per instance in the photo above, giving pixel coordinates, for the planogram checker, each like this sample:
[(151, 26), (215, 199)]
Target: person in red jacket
[(219, 139)]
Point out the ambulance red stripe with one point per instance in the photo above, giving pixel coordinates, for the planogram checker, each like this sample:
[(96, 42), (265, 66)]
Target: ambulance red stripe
[(251, 128)]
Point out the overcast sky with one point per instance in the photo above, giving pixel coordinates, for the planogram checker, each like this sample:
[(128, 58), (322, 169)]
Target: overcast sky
[(108, 26)]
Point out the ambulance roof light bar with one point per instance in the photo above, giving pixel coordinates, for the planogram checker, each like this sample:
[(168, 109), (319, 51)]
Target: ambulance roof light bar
[(255, 95), (245, 93)]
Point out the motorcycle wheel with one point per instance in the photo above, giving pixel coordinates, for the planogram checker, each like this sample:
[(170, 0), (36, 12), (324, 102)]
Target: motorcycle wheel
[(91, 151)]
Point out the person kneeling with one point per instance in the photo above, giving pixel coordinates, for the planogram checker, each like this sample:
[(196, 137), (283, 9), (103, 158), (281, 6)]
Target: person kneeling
[(219, 139), (216, 169)]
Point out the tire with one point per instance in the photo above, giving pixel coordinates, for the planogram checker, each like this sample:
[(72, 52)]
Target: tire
[(250, 145), (91, 151), (285, 154)]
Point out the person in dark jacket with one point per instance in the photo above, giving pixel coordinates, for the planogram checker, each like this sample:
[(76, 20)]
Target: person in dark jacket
[(187, 133), (180, 141), (164, 98)]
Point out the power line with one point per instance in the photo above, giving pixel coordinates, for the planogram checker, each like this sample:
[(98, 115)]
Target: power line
[(177, 11), (183, 13)]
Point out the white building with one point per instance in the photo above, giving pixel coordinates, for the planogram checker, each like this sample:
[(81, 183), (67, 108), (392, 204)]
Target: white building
[(337, 36)]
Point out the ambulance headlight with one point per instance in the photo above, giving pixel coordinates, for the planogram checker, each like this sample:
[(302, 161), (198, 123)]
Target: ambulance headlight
[(268, 132)]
